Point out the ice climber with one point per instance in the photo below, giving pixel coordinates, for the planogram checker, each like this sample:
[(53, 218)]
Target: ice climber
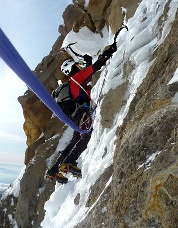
[(78, 106)]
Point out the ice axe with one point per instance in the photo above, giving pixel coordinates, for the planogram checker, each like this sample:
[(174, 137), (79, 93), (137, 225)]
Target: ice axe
[(119, 30)]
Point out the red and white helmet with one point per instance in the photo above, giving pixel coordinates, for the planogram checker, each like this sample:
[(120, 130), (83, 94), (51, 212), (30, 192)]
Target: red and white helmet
[(67, 66)]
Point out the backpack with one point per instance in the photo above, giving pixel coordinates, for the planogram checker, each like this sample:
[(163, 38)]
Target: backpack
[(62, 93), (63, 98), (78, 113)]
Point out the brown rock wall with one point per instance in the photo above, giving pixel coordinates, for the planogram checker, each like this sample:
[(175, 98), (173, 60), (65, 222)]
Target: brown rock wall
[(146, 197), (117, 16), (76, 18)]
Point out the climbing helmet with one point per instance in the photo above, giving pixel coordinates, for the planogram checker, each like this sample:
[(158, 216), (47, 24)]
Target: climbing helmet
[(67, 66)]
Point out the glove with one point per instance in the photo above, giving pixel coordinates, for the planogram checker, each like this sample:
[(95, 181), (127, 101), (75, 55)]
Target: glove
[(87, 59), (108, 53), (113, 47)]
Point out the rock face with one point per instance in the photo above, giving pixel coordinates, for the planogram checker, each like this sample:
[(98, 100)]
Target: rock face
[(143, 196), (137, 196), (148, 198), (110, 12)]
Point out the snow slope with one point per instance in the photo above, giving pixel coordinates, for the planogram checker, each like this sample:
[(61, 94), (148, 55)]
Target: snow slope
[(136, 45)]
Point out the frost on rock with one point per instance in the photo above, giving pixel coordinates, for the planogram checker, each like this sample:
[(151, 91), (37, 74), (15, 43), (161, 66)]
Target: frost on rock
[(14, 188)]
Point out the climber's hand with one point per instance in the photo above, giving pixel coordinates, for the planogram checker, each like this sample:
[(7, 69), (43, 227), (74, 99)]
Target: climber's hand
[(87, 59), (113, 47)]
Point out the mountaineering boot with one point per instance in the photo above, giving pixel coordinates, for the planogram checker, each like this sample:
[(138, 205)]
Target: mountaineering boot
[(61, 179), (50, 174), (56, 176), (69, 168), (76, 172)]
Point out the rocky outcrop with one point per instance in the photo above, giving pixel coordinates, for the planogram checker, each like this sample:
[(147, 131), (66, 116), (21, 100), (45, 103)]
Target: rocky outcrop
[(34, 190), (150, 127), (125, 10), (76, 17), (111, 12)]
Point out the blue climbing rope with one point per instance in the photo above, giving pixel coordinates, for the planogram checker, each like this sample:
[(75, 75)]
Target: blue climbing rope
[(12, 58)]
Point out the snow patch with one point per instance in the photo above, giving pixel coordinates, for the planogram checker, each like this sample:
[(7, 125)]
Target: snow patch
[(149, 161), (86, 3), (175, 98), (172, 81), (86, 42), (14, 188), (174, 78)]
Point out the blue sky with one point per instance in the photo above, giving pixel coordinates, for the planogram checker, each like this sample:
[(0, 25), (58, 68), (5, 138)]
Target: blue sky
[(32, 27)]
